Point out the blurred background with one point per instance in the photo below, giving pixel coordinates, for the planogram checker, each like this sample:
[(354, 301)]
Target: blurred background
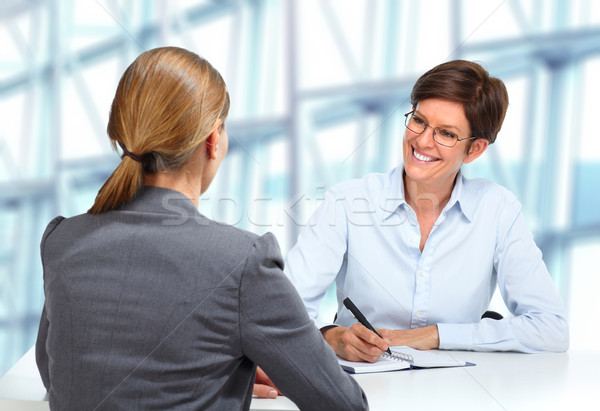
[(318, 89)]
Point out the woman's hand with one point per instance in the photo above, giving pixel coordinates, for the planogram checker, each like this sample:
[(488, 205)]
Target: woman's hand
[(263, 386), (356, 343), (424, 338)]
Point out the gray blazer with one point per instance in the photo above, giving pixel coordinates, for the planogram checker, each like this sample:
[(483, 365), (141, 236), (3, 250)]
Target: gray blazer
[(156, 307)]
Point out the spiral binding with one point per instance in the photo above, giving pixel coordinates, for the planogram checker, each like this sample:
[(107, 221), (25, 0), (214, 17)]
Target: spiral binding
[(399, 356)]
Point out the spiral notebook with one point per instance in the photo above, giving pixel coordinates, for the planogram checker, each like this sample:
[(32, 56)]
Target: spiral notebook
[(404, 358)]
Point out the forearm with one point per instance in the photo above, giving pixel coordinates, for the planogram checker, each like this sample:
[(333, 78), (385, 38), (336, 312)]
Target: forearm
[(524, 333), (425, 338)]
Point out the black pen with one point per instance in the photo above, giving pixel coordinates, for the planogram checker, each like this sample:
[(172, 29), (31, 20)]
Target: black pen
[(361, 318)]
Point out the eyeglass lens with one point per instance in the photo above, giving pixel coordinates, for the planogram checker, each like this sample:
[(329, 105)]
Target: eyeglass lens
[(441, 136)]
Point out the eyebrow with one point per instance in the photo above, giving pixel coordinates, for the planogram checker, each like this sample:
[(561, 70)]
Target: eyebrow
[(442, 126)]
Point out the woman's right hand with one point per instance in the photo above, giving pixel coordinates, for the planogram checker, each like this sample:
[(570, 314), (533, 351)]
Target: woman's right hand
[(263, 386), (356, 343)]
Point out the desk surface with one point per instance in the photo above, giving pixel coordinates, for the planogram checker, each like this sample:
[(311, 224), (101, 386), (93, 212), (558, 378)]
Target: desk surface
[(499, 381)]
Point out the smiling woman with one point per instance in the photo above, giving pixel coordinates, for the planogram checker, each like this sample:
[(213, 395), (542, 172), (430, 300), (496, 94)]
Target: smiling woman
[(424, 262)]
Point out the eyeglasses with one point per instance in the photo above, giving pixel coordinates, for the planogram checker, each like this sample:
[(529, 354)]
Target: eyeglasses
[(443, 137)]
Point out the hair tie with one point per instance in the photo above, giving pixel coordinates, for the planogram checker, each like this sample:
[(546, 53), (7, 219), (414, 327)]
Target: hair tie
[(137, 157)]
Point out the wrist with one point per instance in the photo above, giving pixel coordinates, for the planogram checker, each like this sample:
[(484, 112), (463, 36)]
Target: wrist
[(332, 335), (436, 336), (328, 331)]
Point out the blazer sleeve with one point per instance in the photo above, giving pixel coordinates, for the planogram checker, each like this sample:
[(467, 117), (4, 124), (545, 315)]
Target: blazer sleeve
[(41, 356), (278, 335)]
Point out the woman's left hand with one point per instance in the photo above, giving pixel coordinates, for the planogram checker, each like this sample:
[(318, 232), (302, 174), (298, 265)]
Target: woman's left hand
[(424, 338)]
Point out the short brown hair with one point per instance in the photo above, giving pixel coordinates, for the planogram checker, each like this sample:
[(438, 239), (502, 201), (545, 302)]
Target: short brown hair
[(484, 98), (167, 103)]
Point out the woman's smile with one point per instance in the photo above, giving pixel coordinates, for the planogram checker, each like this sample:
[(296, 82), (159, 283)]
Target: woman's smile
[(420, 156)]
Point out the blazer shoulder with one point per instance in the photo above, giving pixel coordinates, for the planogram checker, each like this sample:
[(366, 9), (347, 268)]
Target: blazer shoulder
[(223, 237), (233, 233), (51, 227)]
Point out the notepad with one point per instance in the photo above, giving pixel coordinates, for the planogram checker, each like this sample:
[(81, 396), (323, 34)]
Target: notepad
[(403, 358), (383, 363)]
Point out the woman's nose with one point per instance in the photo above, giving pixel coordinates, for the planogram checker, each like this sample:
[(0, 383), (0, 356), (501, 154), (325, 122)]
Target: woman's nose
[(426, 139)]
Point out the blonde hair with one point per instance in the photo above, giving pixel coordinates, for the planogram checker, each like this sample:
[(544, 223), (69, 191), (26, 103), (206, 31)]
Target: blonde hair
[(169, 100)]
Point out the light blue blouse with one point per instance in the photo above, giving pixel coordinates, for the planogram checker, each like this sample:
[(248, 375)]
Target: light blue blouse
[(365, 238)]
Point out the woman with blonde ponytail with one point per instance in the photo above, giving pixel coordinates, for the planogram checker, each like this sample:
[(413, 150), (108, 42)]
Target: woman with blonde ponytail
[(167, 104), (151, 305)]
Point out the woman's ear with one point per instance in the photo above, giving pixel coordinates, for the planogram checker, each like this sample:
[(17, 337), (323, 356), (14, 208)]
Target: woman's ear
[(212, 144), (477, 148)]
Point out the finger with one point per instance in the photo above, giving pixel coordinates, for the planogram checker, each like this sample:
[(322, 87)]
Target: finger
[(369, 336), (359, 349), (263, 379), (264, 391), (386, 335), (369, 353), (384, 332), (359, 356), (261, 376), (272, 385)]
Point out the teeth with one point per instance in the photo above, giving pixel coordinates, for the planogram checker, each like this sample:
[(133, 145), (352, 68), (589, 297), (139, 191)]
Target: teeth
[(421, 157)]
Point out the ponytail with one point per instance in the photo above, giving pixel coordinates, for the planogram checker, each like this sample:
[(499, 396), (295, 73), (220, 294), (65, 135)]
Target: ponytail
[(122, 185)]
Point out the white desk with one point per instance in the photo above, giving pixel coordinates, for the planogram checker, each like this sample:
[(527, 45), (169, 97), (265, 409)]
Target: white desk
[(499, 381)]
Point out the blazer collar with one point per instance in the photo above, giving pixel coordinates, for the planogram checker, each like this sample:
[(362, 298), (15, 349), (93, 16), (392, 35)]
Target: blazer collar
[(161, 201)]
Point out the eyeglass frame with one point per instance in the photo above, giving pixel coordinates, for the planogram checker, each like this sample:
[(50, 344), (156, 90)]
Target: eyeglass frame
[(412, 112)]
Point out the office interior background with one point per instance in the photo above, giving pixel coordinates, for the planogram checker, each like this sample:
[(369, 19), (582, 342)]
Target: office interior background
[(318, 89)]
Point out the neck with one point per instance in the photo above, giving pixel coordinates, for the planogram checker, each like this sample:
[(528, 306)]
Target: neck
[(182, 181), (425, 197)]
